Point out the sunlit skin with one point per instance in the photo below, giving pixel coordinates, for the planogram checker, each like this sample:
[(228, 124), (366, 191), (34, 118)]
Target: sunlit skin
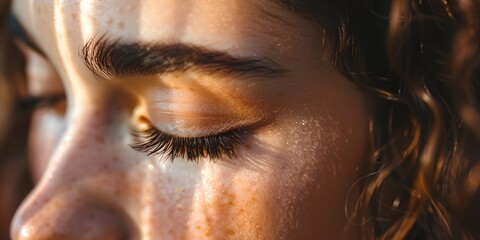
[(305, 132)]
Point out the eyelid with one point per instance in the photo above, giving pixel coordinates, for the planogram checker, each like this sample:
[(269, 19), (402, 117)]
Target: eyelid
[(180, 111), (197, 125)]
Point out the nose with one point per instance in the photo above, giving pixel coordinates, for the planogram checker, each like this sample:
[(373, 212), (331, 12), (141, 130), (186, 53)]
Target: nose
[(73, 198), (75, 219)]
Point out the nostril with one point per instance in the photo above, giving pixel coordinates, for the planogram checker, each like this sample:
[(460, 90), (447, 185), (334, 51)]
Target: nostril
[(80, 220)]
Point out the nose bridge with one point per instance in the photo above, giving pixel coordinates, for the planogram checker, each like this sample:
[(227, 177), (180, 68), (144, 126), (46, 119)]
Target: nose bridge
[(66, 204), (82, 148)]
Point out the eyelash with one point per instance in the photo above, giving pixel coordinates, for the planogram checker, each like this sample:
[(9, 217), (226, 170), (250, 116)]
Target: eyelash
[(30, 103), (154, 142)]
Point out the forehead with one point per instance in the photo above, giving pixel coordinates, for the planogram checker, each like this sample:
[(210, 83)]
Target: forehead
[(207, 21), (243, 28)]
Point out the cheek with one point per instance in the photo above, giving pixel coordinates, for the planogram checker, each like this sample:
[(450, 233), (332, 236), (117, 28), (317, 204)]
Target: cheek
[(206, 201), (320, 141), (234, 205)]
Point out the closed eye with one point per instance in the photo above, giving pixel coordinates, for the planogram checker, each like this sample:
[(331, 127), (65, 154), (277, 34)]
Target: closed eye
[(154, 142)]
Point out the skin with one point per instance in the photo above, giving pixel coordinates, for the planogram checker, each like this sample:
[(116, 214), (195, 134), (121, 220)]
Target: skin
[(306, 132)]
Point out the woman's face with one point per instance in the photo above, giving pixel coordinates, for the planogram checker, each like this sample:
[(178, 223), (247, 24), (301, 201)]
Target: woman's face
[(218, 119)]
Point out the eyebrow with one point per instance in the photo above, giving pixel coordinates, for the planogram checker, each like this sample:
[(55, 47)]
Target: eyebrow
[(20, 33), (116, 59)]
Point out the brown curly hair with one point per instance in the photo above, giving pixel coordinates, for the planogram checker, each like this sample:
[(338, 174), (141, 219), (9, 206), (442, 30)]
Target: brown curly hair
[(420, 62)]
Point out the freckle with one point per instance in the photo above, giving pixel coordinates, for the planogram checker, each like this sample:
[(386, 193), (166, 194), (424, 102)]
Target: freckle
[(121, 25), (105, 166), (230, 232), (231, 201), (74, 15), (259, 229)]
